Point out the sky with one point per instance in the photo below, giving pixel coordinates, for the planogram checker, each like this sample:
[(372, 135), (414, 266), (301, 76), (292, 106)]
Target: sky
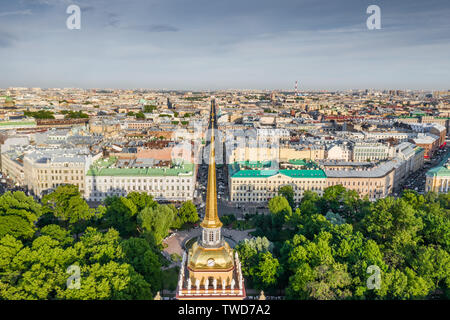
[(228, 44)]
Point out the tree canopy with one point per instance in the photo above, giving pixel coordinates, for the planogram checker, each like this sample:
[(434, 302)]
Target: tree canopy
[(326, 248), (326, 245), (63, 249), (18, 214)]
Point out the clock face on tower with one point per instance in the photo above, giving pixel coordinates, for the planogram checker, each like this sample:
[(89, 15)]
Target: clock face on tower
[(211, 263)]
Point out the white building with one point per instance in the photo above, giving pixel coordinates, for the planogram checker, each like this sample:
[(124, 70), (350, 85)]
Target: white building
[(339, 152), (105, 178), (363, 151), (45, 169)]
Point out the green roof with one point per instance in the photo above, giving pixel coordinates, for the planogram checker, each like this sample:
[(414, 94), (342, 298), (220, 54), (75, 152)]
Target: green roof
[(290, 173), (102, 168), (236, 172), (187, 169), (254, 164), (17, 123), (302, 162), (440, 170), (304, 173), (105, 162), (297, 162), (254, 173)]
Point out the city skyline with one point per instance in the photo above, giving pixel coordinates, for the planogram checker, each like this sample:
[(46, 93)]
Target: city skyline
[(284, 196), (255, 45)]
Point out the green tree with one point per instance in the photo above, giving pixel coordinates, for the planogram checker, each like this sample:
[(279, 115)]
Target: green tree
[(39, 271), (121, 214), (396, 284), (433, 265), (258, 263), (266, 271), (436, 220), (341, 201), (111, 281), (334, 218), (330, 282), (18, 215), (281, 211), (57, 233), (393, 222), (41, 114), (144, 260), (67, 204), (309, 204), (74, 114), (140, 115), (141, 200), (188, 212), (287, 192), (149, 108), (156, 221)]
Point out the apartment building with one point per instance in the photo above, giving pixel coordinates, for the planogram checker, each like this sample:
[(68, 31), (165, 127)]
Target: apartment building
[(374, 183), (433, 129), (429, 142), (311, 152), (12, 166), (399, 136), (363, 151), (105, 127), (45, 169), (9, 142), (265, 153), (139, 125), (251, 182), (258, 182), (164, 181), (339, 152), (268, 151)]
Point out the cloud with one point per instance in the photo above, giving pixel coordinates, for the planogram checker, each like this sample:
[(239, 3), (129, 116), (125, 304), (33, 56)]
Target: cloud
[(266, 43), (15, 13), (86, 8), (159, 28), (114, 21), (54, 2)]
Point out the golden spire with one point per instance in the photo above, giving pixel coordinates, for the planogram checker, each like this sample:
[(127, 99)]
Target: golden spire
[(211, 219)]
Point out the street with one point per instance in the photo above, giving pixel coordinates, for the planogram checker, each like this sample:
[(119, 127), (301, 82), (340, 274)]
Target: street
[(416, 181)]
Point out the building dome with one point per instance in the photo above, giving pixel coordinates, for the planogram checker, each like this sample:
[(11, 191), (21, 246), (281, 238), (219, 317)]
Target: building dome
[(203, 258)]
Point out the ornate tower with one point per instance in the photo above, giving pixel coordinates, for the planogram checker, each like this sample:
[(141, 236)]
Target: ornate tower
[(211, 225), (211, 270)]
